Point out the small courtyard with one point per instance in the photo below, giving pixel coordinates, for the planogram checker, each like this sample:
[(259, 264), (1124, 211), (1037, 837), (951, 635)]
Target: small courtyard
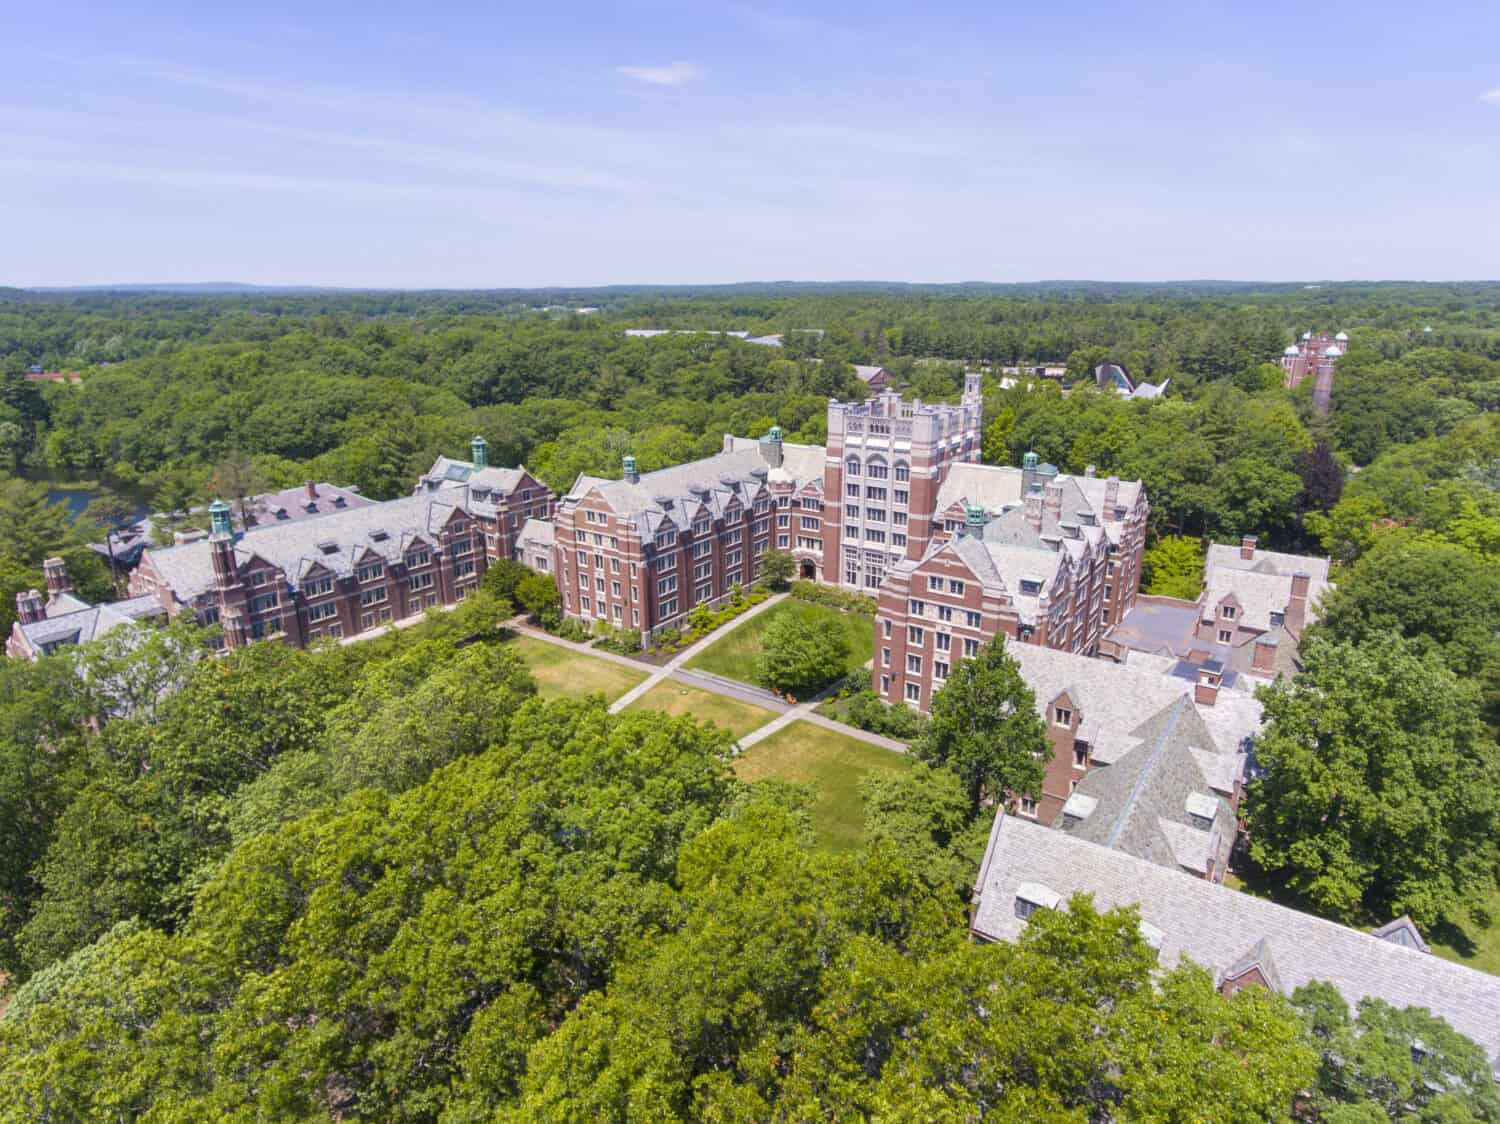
[(735, 653), (832, 763)]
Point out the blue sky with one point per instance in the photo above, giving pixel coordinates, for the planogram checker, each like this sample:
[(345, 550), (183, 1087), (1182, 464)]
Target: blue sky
[(500, 144)]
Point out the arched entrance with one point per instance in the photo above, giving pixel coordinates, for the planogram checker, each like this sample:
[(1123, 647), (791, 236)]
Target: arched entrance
[(808, 570)]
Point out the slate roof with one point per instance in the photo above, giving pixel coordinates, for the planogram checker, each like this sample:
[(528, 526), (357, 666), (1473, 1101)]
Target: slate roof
[(1219, 928), (738, 474), (1143, 803), (1000, 490), (1266, 562), (1117, 700), (867, 374), (75, 625), (294, 503), (298, 547), (1259, 594)]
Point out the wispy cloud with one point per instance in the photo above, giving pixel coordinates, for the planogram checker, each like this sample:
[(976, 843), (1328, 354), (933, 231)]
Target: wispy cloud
[(667, 74), (1491, 97)]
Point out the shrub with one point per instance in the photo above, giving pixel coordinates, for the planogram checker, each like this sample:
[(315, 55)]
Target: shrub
[(834, 597)]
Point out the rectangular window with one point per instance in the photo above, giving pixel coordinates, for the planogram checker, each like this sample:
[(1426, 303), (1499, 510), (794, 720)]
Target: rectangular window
[(877, 471), (917, 608), (614, 565), (914, 692), (419, 581), (939, 670), (898, 518), (586, 604), (914, 664), (885, 657), (851, 512), (885, 628), (971, 619), (1225, 636), (942, 641), (614, 589), (370, 571), (703, 549), (955, 586), (915, 635), (372, 596), (877, 494), (874, 515), (971, 647), (666, 585), (265, 601), (783, 541), (668, 608), (666, 538), (318, 587), (1062, 716), (703, 592), (885, 684), (322, 612), (1080, 756), (902, 472), (732, 558), (811, 523), (783, 521), (945, 613), (463, 569), (703, 570), (898, 539), (666, 562), (872, 535), (599, 582), (901, 496)]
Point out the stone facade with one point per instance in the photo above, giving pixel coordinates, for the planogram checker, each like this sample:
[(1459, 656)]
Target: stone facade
[(886, 460)]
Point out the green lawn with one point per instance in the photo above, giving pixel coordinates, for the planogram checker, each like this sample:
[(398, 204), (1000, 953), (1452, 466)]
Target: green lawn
[(834, 764), (1472, 945), (734, 654), (678, 699), (563, 673)]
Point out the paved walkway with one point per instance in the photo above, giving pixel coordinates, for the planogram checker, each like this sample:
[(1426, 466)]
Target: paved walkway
[(688, 653), (785, 713)]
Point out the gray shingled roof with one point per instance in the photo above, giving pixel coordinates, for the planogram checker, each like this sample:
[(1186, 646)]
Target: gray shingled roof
[(1259, 594), (1267, 562), (1141, 801), (1116, 701), (536, 534), (296, 548), (739, 474), (81, 625), (1220, 928)]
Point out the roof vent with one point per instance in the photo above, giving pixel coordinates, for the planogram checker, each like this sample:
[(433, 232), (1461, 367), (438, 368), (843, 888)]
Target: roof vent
[(759, 473), (663, 501), (379, 536), (698, 490), (1078, 808), (329, 547), (1201, 809), (730, 482)]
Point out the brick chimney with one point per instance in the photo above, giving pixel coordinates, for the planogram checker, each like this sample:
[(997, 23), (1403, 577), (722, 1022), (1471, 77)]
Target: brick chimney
[(312, 490), (1247, 548), (1052, 500), (29, 607), (1033, 509), (1210, 675), (1111, 495), (58, 582), (1296, 608), (1264, 658)]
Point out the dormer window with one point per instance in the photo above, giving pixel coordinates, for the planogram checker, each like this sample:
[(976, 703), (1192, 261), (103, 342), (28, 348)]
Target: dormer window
[(1201, 809), (1227, 612), (1030, 588), (1062, 716), (1032, 896), (1278, 619), (379, 536), (328, 547)]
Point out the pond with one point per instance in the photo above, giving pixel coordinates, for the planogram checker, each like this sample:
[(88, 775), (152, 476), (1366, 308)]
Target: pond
[(79, 493)]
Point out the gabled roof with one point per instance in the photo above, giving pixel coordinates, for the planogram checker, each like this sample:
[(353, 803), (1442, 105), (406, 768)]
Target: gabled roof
[(1266, 562), (1259, 594), (1223, 929), (188, 569), (1119, 701), (80, 622)]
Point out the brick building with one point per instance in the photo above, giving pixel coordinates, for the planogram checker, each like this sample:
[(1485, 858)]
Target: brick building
[(1148, 756), (1315, 356), (1042, 557), (345, 572), (640, 552), (1250, 616), (43, 626)]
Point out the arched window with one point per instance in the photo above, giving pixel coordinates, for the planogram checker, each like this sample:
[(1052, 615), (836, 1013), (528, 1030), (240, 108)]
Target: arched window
[(902, 471), (851, 466), (875, 468)]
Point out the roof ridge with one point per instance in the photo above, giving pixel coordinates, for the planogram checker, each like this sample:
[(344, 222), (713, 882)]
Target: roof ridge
[(1140, 782)]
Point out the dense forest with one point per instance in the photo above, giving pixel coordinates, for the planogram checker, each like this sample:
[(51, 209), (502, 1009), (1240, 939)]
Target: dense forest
[(387, 881)]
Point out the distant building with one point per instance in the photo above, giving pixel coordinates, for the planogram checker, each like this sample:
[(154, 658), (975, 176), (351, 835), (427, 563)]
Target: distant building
[(1112, 375), (876, 379), (42, 627), (1243, 941), (1314, 356), (1250, 616)]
